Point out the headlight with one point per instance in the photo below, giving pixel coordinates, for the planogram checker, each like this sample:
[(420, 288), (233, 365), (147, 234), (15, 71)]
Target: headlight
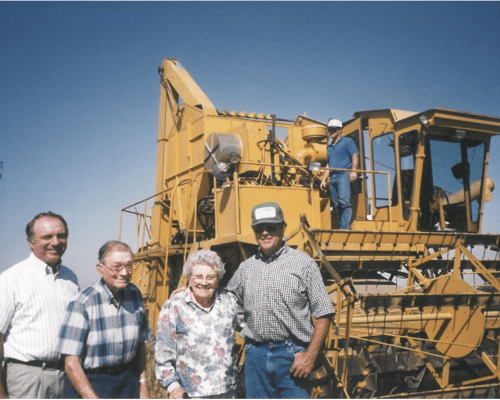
[(458, 135), (223, 166), (234, 159), (313, 166)]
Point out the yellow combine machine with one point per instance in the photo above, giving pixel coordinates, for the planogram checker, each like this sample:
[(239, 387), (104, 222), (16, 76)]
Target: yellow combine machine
[(414, 281)]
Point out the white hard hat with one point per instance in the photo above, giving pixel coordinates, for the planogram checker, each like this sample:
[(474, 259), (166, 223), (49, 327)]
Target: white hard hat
[(335, 122)]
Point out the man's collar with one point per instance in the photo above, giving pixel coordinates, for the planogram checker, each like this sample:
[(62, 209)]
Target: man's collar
[(274, 256), (334, 143), (109, 293), (43, 264), (105, 289)]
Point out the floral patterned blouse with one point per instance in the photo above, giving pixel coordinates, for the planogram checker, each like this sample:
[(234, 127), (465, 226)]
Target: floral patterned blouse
[(195, 347)]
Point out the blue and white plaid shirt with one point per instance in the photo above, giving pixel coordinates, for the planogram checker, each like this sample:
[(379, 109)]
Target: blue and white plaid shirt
[(101, 333)]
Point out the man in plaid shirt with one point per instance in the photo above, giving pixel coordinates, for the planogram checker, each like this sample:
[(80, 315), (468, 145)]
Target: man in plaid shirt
[(104, 332), (280, 288)]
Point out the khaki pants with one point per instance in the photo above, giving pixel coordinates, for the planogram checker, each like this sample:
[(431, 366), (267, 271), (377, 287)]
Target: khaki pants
[(29, 382)]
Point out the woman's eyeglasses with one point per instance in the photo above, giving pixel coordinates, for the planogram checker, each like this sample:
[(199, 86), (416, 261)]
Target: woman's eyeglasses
[(201, 278)]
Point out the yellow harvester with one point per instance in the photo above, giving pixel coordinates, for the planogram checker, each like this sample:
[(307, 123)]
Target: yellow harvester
[(414, 281)]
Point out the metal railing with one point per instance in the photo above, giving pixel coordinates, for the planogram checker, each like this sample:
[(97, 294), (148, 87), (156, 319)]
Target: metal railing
[(143, 219)]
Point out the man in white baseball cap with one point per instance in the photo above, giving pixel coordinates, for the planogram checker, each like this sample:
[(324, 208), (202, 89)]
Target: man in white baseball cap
[(344, 155), (280, 289)]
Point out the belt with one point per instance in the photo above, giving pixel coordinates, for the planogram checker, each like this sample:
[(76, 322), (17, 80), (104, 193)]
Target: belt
[(274, 342), (38, 363), (255, 343), (113, 370)]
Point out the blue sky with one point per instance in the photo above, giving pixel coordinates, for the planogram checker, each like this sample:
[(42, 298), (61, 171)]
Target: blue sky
[(80, 90)]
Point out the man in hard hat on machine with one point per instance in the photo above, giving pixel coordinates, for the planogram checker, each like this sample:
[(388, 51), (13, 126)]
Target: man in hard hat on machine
[(343, 154)]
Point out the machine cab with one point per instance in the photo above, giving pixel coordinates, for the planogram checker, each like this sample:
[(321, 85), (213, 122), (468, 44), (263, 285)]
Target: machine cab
[(422, 172)]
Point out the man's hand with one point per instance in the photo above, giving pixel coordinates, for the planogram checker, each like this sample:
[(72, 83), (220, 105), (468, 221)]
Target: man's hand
[(179, 290), (303, 365), (355, 164), (177, 393), (143, 382), (304, 361), (78, 378), (144, 391), (3, 392), (326, 175)]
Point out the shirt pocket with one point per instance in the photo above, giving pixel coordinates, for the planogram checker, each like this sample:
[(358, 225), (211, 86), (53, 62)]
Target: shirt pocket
[(290, 292)]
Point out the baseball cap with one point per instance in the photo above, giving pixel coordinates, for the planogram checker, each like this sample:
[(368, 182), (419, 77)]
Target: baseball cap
[(267, 213), (335, 123)]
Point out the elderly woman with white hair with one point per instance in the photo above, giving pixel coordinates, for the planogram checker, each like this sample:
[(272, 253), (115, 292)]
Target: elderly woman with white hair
[(196, 334)]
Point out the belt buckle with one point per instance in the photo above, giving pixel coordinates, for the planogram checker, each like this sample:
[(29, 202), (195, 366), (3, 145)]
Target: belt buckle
[(53, 365), (114, 370)]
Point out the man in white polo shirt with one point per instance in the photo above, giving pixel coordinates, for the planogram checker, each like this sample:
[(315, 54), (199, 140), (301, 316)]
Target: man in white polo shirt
[(34, 295)]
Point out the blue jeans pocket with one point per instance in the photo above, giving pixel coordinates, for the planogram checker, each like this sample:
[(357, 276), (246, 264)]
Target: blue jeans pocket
[(248, 347)]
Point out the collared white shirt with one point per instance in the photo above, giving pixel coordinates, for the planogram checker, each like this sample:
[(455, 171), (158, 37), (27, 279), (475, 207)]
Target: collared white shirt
[(33, 303)]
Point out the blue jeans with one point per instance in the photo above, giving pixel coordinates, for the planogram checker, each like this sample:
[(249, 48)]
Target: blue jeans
[(267, 372), (340, 190)]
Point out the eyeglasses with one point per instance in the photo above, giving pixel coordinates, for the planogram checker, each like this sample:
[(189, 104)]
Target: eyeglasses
[(333, 129), (117, 268), (269, 228), (202, 278)]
